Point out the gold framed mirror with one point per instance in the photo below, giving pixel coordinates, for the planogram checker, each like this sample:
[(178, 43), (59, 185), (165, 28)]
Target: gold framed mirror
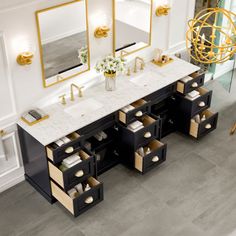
[(63, 41), (132, 26)]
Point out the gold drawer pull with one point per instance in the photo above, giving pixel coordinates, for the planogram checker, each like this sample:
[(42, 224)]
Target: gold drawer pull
[(208, 126), (139, 114), (69, 150), (195, 85), (79, 173), (155, 159), (89, 200), (202, 104), (147, 135)]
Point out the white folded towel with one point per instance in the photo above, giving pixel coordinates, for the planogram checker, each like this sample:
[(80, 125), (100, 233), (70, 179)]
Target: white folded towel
[(2, 150)]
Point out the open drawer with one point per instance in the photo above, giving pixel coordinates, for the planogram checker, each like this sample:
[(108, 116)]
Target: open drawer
[(149, 161), (74, 175), (144, 135), (196, 82), (141, 107), (57, 154), (196, 106), (84, 201), (197, 130)]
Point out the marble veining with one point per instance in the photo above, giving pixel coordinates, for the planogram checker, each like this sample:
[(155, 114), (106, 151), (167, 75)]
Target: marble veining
[(61, 123)]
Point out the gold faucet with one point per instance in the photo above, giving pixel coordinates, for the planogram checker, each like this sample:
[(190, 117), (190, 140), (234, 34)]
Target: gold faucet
[(123, 53), (80, 92), (63, 99), (142, 65)]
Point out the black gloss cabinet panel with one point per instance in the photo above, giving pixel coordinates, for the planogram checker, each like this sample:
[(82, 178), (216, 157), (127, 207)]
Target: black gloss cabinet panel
[(35, 164)]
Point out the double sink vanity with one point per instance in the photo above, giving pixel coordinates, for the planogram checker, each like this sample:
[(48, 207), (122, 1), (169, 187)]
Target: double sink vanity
[(158, 97)]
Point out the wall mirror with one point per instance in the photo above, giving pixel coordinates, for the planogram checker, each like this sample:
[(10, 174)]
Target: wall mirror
[(132, 20), (63, 40)]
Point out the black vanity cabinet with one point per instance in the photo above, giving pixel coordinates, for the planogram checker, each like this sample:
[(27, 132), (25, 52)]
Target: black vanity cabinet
[(160, 113), (187, 110)]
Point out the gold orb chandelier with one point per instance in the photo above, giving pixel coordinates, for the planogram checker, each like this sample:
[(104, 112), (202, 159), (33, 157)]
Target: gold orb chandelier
[(207, 42)]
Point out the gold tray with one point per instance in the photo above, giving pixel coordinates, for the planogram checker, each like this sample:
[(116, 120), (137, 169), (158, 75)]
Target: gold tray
[(162, 64), (34, 122)]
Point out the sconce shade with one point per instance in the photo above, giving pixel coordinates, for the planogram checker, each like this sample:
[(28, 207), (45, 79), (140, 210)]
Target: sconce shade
[(163, 10), (25, 58), (101, 32)]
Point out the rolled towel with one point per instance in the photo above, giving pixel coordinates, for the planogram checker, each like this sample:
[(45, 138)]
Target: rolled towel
[(2, 150)]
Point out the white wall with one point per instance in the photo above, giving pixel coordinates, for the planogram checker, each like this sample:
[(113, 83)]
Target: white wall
[(69, 20), (17, 21)]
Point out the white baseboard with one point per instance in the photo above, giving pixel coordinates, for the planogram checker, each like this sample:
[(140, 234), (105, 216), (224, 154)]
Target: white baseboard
[(11, 179)]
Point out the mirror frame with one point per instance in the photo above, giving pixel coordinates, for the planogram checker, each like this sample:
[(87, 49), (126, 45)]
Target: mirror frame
[(114, 30), (40, 41)]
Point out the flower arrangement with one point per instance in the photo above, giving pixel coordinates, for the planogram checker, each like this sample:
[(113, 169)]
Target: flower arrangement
[(110, 65), (83, 55)]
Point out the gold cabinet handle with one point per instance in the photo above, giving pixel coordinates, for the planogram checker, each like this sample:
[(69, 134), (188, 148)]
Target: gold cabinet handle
[(138, 113), (208, 126), (195, 85), (89, 200), (202, 104), (69, 150), (147, 135), (155, 159), (79, 173)]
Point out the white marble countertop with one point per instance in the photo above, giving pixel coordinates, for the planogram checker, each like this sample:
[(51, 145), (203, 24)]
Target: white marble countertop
[(153, 78)]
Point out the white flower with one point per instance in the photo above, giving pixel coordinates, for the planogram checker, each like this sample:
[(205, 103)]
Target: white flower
[(110, 65)]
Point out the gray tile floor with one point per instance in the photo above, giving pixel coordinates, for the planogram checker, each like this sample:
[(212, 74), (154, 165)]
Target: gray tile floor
[(192, 194)]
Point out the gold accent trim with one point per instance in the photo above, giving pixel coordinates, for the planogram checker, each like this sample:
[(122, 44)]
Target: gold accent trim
[(34, 122), (114, 31), (45, 85), (159, 63), (110, 76)]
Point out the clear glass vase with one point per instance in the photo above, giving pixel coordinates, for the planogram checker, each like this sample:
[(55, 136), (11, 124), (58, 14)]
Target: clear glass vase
[(110, 81)]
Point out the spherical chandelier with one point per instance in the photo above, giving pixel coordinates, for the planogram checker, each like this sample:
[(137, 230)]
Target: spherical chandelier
[(207, 42)]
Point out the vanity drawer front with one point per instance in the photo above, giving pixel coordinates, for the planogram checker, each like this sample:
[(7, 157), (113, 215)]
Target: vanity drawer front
[(142, 107), (84, 201), (157, 156), (201, 103), (196, 82), (74, 175), (191, 108), (143, 136), (56, 155), (161, 94), (205, 127)]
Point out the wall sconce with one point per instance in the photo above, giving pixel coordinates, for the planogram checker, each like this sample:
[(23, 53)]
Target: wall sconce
[(24, 50), (163, 10), (25, 58), (101, 32)]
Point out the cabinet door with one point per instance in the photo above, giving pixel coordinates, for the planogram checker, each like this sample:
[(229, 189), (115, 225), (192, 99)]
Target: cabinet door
[(11, 170)]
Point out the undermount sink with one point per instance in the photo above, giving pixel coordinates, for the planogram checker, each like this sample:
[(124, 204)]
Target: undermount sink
[(145, 78), (83, 108)]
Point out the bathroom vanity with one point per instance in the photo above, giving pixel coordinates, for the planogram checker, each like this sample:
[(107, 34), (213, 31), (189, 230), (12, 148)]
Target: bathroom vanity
[(159, 99)]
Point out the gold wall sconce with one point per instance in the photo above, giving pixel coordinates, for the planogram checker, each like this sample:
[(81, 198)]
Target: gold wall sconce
[(163, 10), (101, 32), (25, 58)]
